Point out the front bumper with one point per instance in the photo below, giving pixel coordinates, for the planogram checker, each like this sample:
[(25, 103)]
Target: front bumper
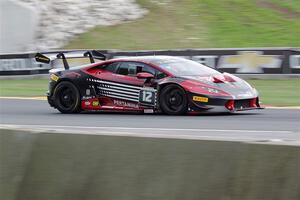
[(221, 104)]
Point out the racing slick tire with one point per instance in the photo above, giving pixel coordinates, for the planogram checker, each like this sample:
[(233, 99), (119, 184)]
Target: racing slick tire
[(67, 97), (173, 100)]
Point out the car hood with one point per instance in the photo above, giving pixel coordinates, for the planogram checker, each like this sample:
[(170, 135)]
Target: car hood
[(226, 84)]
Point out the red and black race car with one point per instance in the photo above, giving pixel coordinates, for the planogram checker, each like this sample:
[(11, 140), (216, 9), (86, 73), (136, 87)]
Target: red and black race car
[(167, 84)]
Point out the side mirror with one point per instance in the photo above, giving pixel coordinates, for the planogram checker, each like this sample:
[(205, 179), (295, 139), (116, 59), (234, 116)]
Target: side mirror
[(145, 75)]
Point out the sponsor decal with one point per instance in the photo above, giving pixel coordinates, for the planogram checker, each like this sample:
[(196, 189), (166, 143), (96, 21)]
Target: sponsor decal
[(95, 103), (125, 104), (41, 58), (88, 92), (87, 103), (54, 77), (148, 111), (200, 99), (87, 97), (211, 90), (250, 62)]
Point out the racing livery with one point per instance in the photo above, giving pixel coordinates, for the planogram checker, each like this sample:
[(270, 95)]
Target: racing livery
[(166, 84)]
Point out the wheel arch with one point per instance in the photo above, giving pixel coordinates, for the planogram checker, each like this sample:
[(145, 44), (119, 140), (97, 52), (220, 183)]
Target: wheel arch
[(65, 79), (77, 107), (163, 85)]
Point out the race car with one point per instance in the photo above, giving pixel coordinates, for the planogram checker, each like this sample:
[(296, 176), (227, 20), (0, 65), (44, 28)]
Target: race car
[(149, 84)]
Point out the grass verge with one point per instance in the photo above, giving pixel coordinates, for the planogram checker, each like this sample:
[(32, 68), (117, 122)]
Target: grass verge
[(272, 92), (200, 24), (278, 92), (23, 88)]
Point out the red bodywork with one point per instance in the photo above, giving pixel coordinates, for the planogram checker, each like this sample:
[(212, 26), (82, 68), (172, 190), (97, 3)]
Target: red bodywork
[(122, 92)]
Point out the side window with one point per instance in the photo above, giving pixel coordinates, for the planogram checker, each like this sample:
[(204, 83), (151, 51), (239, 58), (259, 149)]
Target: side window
[(112, 67), (132, 68), (147, 68), (127, 68), (158, 74)]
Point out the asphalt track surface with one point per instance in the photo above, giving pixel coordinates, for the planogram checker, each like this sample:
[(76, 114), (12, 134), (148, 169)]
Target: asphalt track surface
[(276, 126)]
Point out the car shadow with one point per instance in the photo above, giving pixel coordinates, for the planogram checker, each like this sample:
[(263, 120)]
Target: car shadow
[(112, 113)]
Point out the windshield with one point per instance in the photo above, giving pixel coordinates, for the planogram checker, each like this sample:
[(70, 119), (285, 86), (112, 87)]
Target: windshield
[(184, 67)]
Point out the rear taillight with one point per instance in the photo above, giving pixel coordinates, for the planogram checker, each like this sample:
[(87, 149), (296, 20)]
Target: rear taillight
[(230, 105)]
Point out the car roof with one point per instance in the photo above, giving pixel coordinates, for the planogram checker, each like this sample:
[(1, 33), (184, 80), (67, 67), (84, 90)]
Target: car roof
[(148, 59)]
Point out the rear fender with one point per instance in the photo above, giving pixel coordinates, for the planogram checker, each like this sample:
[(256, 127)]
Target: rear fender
[(51, 91)]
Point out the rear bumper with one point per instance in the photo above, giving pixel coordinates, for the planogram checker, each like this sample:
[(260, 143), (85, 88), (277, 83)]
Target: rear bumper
[(50, 100)]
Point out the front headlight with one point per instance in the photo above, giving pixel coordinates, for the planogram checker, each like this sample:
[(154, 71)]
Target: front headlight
[(251, 87)]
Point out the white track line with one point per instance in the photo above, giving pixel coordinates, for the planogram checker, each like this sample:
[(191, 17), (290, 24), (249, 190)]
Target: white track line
[(144, 128), (154, 133)]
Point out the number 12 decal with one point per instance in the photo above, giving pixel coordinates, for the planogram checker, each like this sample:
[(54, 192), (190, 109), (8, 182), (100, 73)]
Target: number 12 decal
[(147, 96)]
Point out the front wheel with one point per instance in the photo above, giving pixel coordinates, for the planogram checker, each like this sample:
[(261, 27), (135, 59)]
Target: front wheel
[(67, 97), (173, 100)]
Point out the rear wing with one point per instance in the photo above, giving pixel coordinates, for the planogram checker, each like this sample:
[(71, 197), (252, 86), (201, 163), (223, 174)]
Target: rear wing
[(39, 57)]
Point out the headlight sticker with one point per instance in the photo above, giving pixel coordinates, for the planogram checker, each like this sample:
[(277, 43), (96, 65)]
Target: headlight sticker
[(211, 90), (54, 77)]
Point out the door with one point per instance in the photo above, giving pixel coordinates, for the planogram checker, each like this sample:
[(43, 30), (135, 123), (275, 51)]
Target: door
[(118, 80)]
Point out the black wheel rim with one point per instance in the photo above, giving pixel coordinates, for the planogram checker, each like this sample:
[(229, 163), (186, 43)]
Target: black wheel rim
[(174, 99), (67, 97)]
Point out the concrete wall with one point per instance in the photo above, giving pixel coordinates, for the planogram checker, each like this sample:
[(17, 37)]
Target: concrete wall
[(18, 24), (64, 166), (58, 21)]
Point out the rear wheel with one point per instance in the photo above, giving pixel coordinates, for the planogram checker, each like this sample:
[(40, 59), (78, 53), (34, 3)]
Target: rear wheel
[(173, 100), (67, 97)]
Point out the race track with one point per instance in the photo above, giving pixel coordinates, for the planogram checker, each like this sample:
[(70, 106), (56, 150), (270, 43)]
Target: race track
[(269, 125)]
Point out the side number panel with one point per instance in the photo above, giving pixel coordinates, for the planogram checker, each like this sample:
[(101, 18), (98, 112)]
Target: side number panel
[(147, 96)]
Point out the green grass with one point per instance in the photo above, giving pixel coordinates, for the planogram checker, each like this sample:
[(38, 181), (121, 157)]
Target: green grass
[(198, 24), (23, 88), (278, 92), (171, 25), (242, 23), (293, 5), (272, 92)]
